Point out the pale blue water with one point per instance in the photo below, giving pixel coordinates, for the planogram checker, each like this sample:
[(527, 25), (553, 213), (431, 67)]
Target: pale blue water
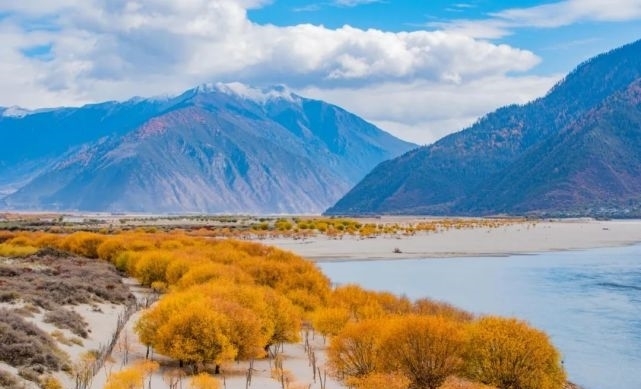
[(589, 302)]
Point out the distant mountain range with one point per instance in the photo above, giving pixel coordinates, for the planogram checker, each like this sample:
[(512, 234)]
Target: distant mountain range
[(574, 152), (220, 148)]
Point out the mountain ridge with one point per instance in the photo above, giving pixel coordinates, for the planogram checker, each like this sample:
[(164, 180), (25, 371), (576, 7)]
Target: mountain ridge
[(214, 148), (445, 177)]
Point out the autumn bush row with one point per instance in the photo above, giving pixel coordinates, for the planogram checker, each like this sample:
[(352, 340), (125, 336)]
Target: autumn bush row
[(294, 227), (162, 259), (423, 351), (224, 300), (337, 227), (228, 300), (376, 336)]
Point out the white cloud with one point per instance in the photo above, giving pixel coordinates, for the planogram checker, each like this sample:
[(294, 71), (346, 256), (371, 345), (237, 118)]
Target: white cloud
[(424, 111), (354, 3), (552, 15), (115, 49), (570, 11)]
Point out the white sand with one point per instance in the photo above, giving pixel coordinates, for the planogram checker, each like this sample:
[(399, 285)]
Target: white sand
[(520, 238)]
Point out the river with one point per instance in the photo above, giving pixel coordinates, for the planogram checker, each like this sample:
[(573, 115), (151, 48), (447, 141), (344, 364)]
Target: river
[(589, 302)]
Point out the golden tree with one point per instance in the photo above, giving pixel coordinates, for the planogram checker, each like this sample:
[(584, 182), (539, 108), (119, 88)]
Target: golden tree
[(130, 378), (355, 352), (212, 271), (426, 306), (184, 326), (204, 381), (378, 381), (285, 316), (330, 321), (250, 297), (426, 349), (84, 244), (509, 354), (361, 304), (245, 332), (50, 382), (152, 266), (110, 248)]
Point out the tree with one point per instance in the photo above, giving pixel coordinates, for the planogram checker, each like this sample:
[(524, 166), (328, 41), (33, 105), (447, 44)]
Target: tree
[(130, 378), (460, 383), (247, 311), (83, 370), (509, 354), (393, 304), (426, 349), (50, 382), (196, 334), (378, 381), (84, 244), (147, 368), (285, 316), (426, 306), (184, 326), (204, 381), (207, 272), (361, 304), (330, 321), (245, 331), (355, 352), (110, 248), (152, 267)]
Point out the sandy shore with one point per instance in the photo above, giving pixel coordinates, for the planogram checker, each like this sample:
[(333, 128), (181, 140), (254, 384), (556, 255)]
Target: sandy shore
[(518, 238)]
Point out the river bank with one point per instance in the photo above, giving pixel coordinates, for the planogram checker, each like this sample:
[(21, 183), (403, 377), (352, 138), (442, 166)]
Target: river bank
[(526, 237)]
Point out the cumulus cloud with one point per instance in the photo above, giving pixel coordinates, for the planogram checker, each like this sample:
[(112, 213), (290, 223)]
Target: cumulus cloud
[(120, 41)]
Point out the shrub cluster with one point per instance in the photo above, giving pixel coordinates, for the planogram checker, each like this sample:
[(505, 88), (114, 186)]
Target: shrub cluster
[(24, 345), (51, 278), (426, 350), (66, 319), (48, 280), (8, 381)]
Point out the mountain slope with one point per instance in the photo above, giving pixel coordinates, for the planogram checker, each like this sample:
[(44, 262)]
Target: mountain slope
[(593, 166), (31, 141), (216, 148), (442, 177)]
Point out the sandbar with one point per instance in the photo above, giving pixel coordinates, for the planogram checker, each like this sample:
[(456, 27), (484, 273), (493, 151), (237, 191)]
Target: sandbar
[(523, 237)]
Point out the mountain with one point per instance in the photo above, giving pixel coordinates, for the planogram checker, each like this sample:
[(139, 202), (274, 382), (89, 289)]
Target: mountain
[(33, 140), (591, 167), (219, 148), (572, 152)]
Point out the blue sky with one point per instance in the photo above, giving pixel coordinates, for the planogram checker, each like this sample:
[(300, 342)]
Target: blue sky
[(419, 69)]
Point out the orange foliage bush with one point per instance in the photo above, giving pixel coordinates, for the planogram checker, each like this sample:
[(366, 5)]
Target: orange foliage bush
[(508, 353), (230, 299)]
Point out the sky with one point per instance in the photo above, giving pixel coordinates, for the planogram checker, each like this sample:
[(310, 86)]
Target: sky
[(419, 69)]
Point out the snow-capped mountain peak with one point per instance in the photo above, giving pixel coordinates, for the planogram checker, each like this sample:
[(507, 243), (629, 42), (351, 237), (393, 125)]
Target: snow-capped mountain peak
[(16, 112), (258, 95)]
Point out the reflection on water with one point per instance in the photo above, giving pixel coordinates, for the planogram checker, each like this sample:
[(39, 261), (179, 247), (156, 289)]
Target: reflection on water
[(589, 302)]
